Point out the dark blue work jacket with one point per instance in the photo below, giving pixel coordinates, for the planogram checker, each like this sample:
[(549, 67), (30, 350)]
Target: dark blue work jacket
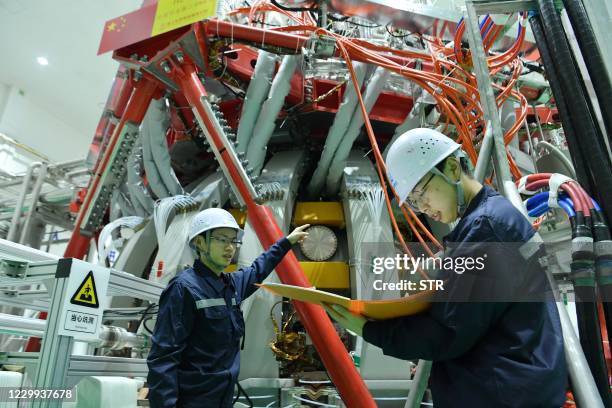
[(492, 352), (195, 355)]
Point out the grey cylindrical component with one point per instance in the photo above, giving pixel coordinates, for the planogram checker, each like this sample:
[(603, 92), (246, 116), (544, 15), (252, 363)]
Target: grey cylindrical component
[(40, 179), (148, 130), (371, 94), (512, 194), (337, 130), (255, 96), (484, 156), (419, 384), (583, 384), (19, 325), (116, 338), (266, 122), (155, 128), (12, 234)]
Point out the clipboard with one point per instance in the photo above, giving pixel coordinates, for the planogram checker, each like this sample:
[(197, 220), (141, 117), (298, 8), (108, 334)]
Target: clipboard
[(373, 309)]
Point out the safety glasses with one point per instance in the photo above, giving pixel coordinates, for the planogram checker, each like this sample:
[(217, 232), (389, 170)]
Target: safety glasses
[(415, 200), (226, 241)]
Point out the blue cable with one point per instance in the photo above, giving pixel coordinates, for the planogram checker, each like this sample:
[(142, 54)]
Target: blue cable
[(536, 199), (539, 210), (482, 23), (568, 207), (538, 205)]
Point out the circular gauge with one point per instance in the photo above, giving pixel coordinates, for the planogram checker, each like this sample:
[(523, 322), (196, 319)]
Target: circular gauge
[(321, 243)]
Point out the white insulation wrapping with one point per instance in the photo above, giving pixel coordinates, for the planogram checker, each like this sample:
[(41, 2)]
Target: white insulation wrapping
[(131, 222), (371, 94), (156, 158), (336, 131), (255, 96), (172, 218), (281, 85)]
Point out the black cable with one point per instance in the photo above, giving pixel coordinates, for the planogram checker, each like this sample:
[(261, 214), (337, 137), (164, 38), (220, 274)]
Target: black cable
[(555, 86), (141, 321), (586, 152), (242, 391), (264, 23), (346, 20), (396, 35), (144, 326), (282, 7), (593, 59), (593, 147)]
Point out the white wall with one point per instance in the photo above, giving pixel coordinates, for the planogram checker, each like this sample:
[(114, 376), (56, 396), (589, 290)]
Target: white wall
[(28, 123)]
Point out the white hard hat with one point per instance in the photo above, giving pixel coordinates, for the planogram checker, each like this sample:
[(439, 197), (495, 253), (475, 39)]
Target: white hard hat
[(210, 219), (413, 155)]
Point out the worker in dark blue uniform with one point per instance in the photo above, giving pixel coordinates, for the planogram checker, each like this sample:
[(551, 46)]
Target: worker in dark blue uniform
[(194, 359), (492, 343)]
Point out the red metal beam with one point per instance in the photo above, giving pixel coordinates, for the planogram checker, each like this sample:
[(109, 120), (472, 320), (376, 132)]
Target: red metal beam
[(325, 339), (79, 243)]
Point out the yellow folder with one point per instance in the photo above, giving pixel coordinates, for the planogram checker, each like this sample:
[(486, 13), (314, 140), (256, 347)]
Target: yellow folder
[(374, 309)]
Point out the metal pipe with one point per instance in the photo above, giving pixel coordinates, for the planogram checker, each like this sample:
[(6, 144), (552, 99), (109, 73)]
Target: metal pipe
[(114, 338), (511, 193), (21, 326), (583, 384), (532, 151), (484, 155), (324, 336), (487, 99), (419, 384), (12, 234), (40, 180), (117, 338)]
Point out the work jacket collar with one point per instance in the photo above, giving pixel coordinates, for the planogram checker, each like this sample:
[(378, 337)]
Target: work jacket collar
[(217, 282)]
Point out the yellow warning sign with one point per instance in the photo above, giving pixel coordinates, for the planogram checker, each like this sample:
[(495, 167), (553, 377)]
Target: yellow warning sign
[(86, 294)]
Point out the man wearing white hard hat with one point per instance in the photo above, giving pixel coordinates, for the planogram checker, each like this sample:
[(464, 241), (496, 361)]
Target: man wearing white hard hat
[(195, 355), (491, 344)]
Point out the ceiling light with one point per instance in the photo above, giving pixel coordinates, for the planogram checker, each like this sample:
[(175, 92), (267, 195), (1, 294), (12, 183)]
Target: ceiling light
[(42, 61)]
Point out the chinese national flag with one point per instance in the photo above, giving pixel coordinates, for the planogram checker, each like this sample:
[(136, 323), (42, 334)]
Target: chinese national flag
[(128, 29)]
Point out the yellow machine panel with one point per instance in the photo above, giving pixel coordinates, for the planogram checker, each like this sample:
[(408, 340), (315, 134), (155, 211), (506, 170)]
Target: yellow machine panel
[(319, 212)]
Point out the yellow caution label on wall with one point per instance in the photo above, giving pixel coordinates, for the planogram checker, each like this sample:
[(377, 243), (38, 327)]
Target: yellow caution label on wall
[(86, 294), (173, 14)]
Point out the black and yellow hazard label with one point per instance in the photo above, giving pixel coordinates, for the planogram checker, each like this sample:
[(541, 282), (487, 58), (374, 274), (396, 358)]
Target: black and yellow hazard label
[(86, 294)]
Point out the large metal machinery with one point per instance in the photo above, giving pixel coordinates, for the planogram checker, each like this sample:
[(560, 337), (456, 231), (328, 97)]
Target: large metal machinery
[(281, 114)]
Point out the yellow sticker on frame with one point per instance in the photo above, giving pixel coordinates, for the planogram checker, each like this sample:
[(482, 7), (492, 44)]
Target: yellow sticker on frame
[(173, 14)]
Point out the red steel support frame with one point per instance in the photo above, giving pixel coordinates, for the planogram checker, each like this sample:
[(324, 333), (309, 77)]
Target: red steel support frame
[(79, 244), (339, 365)]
